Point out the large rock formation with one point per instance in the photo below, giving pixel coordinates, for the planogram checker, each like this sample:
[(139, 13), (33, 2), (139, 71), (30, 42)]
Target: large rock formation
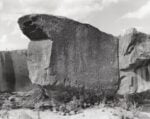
[(134, 57), (13, 71), (63, 52)]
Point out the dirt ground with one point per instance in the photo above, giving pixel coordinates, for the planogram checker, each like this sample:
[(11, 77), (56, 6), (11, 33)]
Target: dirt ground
[(91, 113)]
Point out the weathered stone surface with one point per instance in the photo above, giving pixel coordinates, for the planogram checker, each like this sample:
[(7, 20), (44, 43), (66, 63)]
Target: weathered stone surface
[(39, 53), (13, 71), (81, 55), (134, 57)]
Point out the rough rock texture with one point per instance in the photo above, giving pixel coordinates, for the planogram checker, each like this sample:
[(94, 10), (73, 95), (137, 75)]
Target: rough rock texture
[(81, 55), (39, 54), (13, 71), (134, 58)]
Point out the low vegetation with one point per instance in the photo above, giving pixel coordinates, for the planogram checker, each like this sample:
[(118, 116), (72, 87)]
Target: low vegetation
[(38, 99)]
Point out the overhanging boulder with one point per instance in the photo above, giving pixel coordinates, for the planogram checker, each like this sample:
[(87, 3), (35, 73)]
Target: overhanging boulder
[(78, 56)]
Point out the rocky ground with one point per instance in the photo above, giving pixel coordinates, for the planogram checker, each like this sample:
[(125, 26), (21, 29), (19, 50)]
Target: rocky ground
[(98, 112), (32, 105)]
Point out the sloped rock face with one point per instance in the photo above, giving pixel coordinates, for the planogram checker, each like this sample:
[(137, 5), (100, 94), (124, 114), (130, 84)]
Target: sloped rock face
[(68, 53), (134, 58), (13, 71)]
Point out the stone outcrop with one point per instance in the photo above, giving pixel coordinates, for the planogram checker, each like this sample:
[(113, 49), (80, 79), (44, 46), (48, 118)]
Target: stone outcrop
[(63, 52), (13, 71), (134, 58)]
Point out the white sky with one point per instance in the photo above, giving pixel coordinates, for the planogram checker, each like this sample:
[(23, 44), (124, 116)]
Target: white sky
[(111, 16)]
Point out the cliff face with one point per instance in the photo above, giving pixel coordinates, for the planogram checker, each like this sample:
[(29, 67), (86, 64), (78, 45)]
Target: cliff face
[(134, 57), (13, 71), (63, 52)]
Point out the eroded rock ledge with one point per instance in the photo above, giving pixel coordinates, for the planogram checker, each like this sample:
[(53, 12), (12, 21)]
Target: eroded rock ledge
[(41, 26)]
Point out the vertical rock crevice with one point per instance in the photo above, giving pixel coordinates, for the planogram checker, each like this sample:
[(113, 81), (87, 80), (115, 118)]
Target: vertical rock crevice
[(8, 75), (13, 71)]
